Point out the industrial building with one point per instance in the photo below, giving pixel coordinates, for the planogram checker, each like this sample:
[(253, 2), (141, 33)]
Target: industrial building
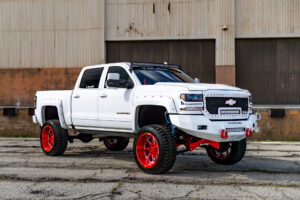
[(253, 44)]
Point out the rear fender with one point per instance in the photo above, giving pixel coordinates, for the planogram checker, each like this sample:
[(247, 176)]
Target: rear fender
[(59, 105)]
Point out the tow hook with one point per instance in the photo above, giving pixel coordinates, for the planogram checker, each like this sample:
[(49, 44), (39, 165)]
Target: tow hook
[(224, 133), (248, 132)]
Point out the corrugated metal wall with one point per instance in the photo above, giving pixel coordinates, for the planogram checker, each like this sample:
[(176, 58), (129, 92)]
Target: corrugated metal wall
[(160, 19), (72, 33), (197, 57), (270, 69), (51, 33), (267, 18)]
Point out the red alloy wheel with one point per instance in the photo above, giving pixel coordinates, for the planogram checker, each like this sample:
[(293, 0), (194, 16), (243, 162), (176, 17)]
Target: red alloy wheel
[(223, 152), (47, 138), (147, 150), (111, 141)]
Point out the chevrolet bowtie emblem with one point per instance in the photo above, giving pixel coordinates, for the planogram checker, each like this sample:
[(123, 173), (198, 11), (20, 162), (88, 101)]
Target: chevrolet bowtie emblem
[(230, 102)]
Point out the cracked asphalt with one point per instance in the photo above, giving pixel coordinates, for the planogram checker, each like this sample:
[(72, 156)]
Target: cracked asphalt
[(270, 170)]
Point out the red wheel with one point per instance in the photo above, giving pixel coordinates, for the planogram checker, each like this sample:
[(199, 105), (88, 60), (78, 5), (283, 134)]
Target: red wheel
[(223, 152), (229, 152), (147, 150), (54, 139), (154, 149), (115, 143), (47, 138), (110, 141)]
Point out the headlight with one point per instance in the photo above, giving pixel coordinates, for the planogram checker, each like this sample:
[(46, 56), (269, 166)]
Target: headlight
[(192, 97)]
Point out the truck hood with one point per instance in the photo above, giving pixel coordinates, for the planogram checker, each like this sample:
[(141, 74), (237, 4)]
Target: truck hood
[(200, 86)]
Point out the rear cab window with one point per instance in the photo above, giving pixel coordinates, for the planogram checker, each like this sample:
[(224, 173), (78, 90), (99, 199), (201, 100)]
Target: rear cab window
[(91, 78)]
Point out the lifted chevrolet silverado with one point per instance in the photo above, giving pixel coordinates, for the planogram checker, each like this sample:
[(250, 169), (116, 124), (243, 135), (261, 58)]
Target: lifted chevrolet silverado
[(157, 104)]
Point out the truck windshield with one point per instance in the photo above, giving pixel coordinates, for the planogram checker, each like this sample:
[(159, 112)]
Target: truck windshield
[(150, 76)]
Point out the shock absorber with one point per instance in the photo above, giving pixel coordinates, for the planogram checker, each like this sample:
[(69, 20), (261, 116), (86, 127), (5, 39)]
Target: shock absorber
[(170, 125)]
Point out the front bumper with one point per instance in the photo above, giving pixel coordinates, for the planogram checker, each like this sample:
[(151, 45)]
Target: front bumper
[(190, 124)]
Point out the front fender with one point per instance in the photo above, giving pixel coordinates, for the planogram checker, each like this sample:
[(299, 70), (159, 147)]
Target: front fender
[(147, 100)]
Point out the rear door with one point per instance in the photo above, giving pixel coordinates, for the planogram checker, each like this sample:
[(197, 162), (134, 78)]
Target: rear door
[(85, 99)]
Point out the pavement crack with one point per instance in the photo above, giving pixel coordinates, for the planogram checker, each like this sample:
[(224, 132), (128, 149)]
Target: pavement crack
[(116, 191)]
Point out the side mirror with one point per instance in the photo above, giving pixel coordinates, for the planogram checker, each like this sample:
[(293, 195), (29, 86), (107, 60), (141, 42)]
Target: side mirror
[(197, 80), (129, 85), (113, 80)]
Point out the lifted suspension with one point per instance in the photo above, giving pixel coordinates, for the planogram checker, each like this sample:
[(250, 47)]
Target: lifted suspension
[(192, 145)]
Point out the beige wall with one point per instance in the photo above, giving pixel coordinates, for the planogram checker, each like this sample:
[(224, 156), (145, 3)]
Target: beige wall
[(72, 33), (135, 19), (267, 18), (51, 33)]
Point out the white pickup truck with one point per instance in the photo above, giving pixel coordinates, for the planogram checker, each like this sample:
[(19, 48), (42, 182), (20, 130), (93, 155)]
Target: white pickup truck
[(157, 104)]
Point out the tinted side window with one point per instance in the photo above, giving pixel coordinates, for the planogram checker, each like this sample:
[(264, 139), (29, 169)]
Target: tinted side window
[(91, 78), (123, 73)]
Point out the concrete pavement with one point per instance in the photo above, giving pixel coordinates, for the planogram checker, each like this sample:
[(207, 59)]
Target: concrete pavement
[(270, 170)]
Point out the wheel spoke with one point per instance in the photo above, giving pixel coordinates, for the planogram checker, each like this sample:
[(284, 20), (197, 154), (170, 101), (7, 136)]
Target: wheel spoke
[(151, 156)]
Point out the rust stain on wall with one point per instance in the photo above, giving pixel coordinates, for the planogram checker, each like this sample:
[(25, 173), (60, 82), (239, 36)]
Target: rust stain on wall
[(20, 125), (286, 128), (18, 86)]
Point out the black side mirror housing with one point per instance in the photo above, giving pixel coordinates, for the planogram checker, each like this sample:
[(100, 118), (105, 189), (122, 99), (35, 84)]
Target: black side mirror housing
[(120, 84)]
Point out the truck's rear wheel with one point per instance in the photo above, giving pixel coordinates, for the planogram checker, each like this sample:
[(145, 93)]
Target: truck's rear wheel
[(115, 143), (54, 139), (154, 149), (229, 152)]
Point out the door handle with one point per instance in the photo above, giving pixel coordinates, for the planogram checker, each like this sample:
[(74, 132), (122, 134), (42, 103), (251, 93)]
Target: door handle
[(76, 96), (103, 95)]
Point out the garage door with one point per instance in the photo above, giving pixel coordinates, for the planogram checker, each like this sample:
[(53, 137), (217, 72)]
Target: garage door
[(270, 69), (197, 57)]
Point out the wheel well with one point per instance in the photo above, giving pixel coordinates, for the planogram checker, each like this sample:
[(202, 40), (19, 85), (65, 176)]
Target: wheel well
[(151, 115), (51, 113)]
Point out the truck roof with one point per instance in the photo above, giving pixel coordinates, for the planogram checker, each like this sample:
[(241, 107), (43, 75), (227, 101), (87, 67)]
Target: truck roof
[(132, 65), (152, 65)]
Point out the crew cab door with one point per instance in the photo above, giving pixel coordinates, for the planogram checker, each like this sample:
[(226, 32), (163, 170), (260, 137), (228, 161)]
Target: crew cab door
[(85, 99), (114, 108)]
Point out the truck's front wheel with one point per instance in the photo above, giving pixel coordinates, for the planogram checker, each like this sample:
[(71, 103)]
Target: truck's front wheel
[(229, 152), (154, 149), (54, 139)]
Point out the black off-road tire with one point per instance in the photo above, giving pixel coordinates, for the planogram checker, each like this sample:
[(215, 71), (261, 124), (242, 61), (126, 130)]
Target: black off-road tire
[(120, 144), (60, 138), (167, 149), (238, 150)]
